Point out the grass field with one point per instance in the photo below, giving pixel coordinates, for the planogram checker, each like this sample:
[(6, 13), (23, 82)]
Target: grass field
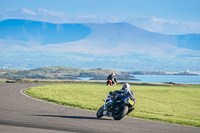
[(172, 104), (3, 80)]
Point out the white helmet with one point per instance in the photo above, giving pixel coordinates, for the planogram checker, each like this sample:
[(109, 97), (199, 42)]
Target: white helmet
[(126, 87)]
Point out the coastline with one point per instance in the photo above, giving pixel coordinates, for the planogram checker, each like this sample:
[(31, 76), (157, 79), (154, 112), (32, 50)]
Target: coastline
[(46, 81)]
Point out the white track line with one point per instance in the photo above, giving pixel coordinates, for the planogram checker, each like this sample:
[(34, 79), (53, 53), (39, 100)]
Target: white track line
[(21, 91)]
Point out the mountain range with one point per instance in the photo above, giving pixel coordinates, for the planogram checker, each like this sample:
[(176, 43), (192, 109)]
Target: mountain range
[(31, 44)]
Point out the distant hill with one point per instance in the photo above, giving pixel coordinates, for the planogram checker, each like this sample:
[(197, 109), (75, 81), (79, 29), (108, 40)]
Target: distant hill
[(41, 32), (33, 44), (93, 38), (64, 73), (189, 41), (69, 73)]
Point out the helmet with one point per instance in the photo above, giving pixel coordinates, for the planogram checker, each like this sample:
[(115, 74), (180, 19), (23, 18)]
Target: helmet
[(126, 87)]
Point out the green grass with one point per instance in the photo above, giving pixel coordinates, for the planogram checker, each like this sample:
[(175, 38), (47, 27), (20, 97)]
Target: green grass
[(3, 80), (172, 104)]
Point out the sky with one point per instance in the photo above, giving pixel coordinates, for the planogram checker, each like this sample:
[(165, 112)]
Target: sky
[(162, 16)]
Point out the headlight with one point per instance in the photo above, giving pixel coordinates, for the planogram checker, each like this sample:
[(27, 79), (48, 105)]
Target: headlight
[(126, 100)]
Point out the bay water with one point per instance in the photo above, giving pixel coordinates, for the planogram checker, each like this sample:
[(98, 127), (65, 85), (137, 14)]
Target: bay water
[(183, 79)]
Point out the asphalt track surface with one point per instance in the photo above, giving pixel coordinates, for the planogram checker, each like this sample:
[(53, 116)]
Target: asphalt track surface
[(22, 114)]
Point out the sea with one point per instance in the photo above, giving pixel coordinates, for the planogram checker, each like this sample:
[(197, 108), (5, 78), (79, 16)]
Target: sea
[(183, 79)]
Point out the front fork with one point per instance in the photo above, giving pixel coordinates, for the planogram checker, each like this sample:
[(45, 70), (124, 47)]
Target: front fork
[(105, 112), (110, 113)]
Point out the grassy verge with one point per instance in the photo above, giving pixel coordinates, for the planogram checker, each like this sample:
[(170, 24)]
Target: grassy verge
[(173, 104), (3, 80)]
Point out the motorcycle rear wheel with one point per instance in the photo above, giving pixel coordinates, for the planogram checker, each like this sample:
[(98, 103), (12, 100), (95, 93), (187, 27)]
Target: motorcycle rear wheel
[(121, 114)]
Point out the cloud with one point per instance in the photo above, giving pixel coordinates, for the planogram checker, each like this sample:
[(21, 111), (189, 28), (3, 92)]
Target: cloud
[(43, 12), (37, 14), (152, 24), (27, 11)]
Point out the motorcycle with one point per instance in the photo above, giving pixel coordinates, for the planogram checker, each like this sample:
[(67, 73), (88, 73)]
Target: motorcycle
[(109, 82), (115, 107)]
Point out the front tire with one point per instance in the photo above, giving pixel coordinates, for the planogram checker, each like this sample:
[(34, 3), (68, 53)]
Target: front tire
[(121, 114), (100, 112)]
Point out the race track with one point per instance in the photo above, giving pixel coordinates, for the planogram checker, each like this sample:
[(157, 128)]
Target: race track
[(21, 114)]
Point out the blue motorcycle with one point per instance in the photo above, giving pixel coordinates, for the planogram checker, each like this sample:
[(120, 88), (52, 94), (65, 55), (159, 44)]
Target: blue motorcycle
[(116, 106)]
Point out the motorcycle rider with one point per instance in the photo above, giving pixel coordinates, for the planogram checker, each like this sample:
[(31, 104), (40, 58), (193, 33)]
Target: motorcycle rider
[(125, 91), (114, 105), (112, 78)]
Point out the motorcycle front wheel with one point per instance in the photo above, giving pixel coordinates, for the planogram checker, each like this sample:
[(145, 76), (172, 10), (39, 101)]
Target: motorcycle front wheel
[(100, 112), (121, 114)]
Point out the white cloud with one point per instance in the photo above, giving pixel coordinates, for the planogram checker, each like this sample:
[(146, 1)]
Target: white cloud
[(37, 14), (154, 24), (27, 11), (44, 12)]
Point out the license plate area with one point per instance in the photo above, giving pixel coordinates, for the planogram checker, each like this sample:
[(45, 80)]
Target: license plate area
[(131, 101)]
